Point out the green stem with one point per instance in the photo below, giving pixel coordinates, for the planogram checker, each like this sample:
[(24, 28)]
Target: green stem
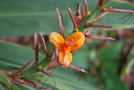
[(91, 17)]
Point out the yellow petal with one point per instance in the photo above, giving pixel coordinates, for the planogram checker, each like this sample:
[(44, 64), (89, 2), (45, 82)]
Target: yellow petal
[(75, 40), (65, 57), (56, 39)]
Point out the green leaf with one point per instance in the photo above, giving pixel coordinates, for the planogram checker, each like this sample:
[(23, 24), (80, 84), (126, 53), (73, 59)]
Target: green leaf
[(109, 56), (25, 87), (1, 87), (116, 19), (112, 82), (13, 55), (80, 57), (29, 16), (71, 80), (5, 80), (65, 78)]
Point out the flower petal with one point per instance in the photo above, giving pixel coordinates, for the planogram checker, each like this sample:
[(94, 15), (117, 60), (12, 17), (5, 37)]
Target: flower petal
[(75, 40), (56, 39), (65, 57)]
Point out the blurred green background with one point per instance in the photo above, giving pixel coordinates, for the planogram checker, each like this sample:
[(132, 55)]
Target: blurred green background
[(110, 63)]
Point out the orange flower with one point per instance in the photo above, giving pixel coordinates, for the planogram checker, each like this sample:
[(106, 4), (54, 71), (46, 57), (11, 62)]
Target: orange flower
[(72, 42)]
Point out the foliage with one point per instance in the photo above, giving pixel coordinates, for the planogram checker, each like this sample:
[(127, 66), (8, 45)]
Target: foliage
[(30, 16)]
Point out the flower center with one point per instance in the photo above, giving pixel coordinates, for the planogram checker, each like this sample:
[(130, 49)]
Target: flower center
[(70, 42)]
